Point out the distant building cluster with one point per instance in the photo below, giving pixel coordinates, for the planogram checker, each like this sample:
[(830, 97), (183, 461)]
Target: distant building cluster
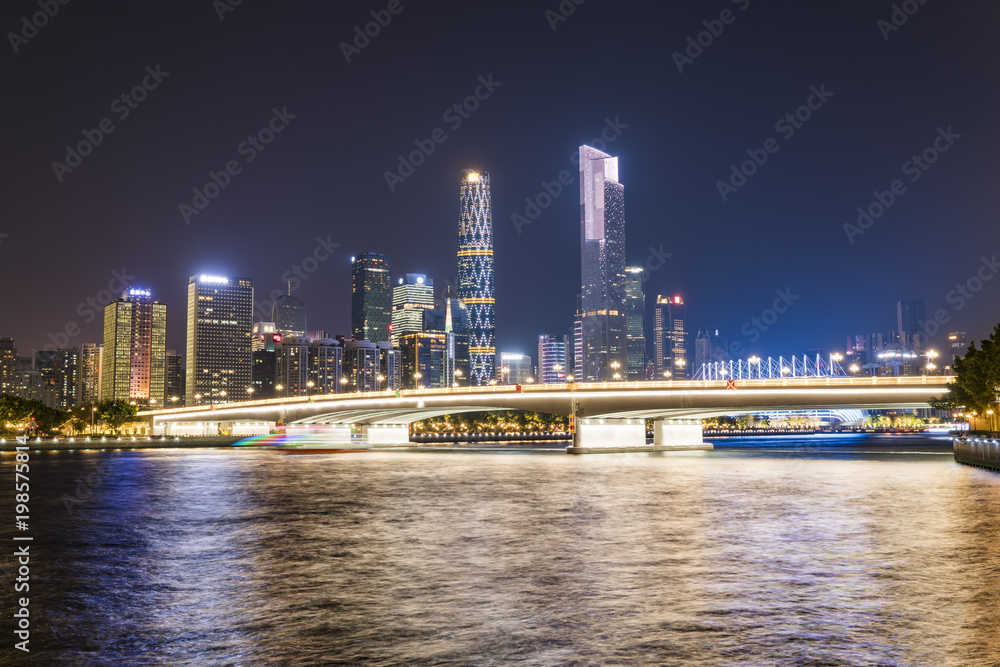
[(404, 335)]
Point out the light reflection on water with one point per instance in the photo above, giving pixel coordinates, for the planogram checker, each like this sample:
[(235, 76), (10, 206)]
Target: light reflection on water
[(721, 558)]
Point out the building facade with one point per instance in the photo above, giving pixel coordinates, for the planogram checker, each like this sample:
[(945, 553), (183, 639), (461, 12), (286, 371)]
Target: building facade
[(219, 327), (670, 327), (635, 321), (88, 376), (475, 273), (289, 315), (135, 349), (554, 364), (602, 262), (515, 368), (410, 298), (371, 297)]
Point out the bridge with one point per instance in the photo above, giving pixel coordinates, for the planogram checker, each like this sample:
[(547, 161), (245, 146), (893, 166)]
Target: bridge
[(608, 415)]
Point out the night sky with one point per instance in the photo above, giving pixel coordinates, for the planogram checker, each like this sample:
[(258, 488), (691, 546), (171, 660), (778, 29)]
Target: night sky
[(323, 176)]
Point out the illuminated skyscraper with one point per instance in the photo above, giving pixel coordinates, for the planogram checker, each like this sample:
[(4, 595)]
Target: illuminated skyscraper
[(554, 354), (8, 366), (602, 263), (135, 349), (671, 339), (371, 297), (88, 377), (475, 273), (635, 321), (219, 323), (410, 298)]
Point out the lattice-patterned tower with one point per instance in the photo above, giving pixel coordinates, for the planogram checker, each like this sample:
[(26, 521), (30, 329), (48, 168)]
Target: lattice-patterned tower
[(475, 273)]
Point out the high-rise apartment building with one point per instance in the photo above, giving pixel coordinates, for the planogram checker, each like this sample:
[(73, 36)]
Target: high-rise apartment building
[(135, 348), (475, 273), (90, 362), (289, 315), (554, 364), (602, 262), (371, 297), (219, 324), (410, 298), (635, 321), (326, 366), (361, 366), (671, 339), (292, 355), (8, 366)]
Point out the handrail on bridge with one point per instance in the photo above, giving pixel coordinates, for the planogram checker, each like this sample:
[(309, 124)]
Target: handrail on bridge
[(856, 381)]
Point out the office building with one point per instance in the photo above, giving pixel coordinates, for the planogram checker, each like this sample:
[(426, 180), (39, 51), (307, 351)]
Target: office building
[(264, 342), (390, 365), (90, 361), (452, 320), (371, 297), (292, 362), (361, 366), (219, 327), (8, 366), (424, 360), (475, 273), (635, 321), (553, 359), (174, 379), (326, 362), (135, 348), (410, 298), (602, 261), (515, 368), (289, 315), (671, 339), (909, 322), (957, 347)]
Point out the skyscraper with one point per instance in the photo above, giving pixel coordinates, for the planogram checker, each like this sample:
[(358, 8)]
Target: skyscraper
[(219, 322), (264, 359), (88, 377), (135, 348), (475, 273), (515, 368), (909, 318), (635, 321), (452, 320), (8, 366), (553, 359), (173, 382), (289, 315), (602, 262), (371, 297), (671, 339), (410, 298)]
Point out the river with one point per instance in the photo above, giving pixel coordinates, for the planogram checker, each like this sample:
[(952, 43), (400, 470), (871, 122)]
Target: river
[(821, 550)]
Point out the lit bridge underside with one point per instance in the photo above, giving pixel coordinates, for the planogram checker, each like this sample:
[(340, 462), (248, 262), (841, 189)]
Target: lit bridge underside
[(606, 412)]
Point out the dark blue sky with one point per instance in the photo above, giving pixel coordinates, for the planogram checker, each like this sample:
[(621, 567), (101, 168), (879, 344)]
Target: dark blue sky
[(323, 174)]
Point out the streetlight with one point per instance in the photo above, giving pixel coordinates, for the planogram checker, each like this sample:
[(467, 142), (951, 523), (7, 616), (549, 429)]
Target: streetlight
[(855, 368), (416, 379), (667, 374), (378, 382), (343, 385), (92, 411), (557, 368), (309, 385), (755, 361), (174, 399), (990, 413), (250, 393), (197, 397), (278, 388)]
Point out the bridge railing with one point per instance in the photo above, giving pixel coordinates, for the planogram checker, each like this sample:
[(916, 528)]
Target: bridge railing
[(866, 381)]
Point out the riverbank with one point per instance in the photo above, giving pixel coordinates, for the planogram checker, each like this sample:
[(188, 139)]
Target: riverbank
[(123, 442), (982, 452)]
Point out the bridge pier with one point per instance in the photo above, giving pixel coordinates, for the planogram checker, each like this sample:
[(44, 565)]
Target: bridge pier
[(386, 434), (678, 434), (607, 435)]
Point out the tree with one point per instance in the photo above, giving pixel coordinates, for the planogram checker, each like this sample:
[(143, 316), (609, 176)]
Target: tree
[(977, 378), (116, 413)]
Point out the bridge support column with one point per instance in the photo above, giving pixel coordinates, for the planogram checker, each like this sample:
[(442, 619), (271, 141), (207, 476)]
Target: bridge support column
[(386, 434), (604, 436), (678, 434)]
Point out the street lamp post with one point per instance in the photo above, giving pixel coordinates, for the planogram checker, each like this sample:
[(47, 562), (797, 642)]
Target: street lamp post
[(416, 379), (250, 393), (343, 385), (614, 367), (755, 361)]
